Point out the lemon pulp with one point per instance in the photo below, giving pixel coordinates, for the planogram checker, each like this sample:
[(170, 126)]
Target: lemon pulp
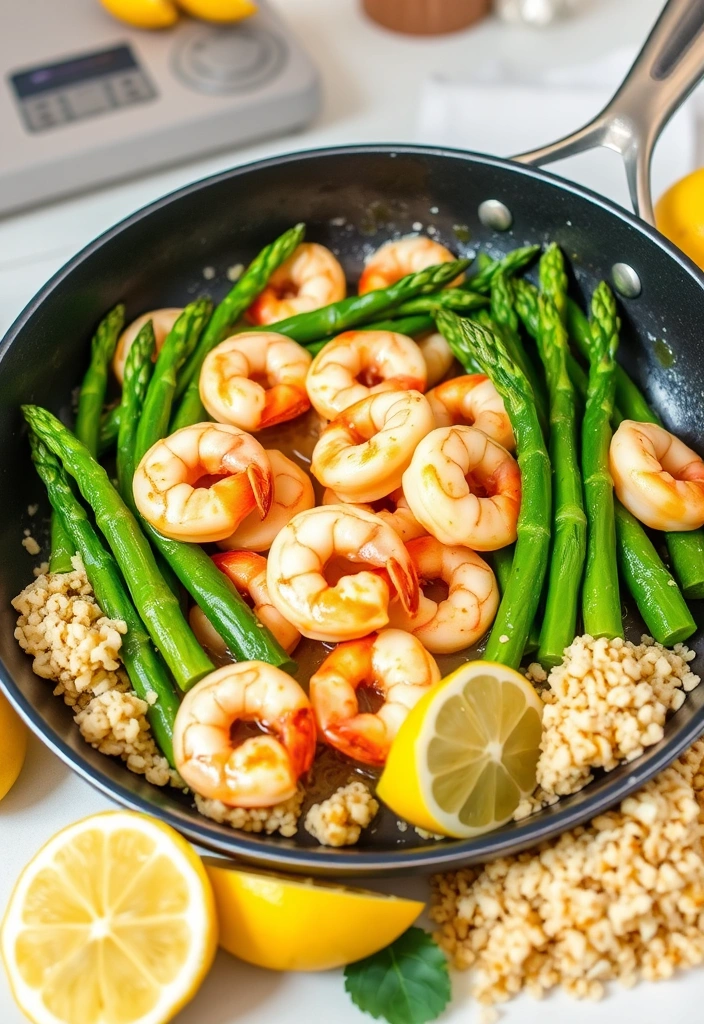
[(112, 922), (467, 753)]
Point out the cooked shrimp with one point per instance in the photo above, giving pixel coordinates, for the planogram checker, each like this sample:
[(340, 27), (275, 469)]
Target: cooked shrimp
[(363, 454), (470, 606), (255, 379), (657, 477), (293, 493), (437, 355), (162, 322), (256, 771), (360, 363), (472, 400), (393, 509), (247, 570), (309, 279), (396, 259), (464, 488), (199, 483), (394, 665), (351, 544)]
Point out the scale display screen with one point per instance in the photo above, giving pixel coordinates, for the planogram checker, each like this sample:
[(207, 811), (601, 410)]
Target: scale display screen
[(87, 85)]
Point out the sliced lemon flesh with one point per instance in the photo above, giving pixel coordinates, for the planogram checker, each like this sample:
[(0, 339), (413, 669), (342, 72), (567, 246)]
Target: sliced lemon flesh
[(13, 746), (112, 922), (288, 924), (466, 755)]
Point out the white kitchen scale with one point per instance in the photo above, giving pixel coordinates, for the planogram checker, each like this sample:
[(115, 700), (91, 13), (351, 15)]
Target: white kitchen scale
[(85, 100)]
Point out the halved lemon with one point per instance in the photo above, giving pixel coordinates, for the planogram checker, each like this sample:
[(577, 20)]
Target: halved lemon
[(291, 924), (13, 746), (112, 921), (466, 754)]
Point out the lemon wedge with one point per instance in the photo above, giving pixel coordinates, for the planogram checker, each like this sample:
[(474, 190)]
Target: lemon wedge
[(13, 746), (112, 921), (466, 754), (679, 215), (143, 13), (292, 924)]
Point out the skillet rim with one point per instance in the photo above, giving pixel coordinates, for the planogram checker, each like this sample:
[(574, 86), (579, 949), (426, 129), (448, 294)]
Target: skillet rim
[(323, 861)]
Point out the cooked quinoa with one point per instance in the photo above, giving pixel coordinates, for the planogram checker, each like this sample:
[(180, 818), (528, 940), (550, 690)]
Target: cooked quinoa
[(621, 899), (339, 820), (115, 723), (281, 818), (605, 704), (73, 644), (29, 544)]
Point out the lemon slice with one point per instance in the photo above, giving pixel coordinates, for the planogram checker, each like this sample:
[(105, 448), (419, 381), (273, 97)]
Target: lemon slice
[(13, 746), (467, 752), (288, 924), (112, 922)]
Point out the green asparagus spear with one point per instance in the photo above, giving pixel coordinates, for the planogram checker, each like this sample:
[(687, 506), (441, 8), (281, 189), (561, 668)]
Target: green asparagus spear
[(109, 426), (90, 404), (211, 590), (145, 668), (526, 295), (553, 279), (510, 264), (95, 382), (227, 312), (654, 590), (361, 309), (686, 549), (504, 314), (156, 605), (601, 605), (452, 298), (139, 368), (178, 345), (569, 521), (62, 550), (629, 397), (408, 325), (520, 600)]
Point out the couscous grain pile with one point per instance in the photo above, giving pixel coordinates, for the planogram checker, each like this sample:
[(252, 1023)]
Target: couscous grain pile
[(604, 704), (339, 820), (281, 818), (75, 646)]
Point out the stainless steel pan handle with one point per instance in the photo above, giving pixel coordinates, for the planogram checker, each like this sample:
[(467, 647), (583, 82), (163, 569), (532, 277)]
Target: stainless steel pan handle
[(664, 73)]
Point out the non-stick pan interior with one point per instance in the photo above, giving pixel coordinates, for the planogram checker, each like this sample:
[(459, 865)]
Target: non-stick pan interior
[(352, 200)]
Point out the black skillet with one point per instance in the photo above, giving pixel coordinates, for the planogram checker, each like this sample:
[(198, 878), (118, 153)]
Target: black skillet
[(353, 199)]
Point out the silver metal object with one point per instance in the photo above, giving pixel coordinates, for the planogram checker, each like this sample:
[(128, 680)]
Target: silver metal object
[(626, 280), (495, 215), (664, 73)]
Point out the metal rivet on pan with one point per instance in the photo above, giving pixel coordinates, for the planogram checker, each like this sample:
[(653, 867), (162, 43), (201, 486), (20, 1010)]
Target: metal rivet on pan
[(626, 280), (495, 215)]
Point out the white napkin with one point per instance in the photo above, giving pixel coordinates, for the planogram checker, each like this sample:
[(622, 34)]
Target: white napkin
[(494, 113)]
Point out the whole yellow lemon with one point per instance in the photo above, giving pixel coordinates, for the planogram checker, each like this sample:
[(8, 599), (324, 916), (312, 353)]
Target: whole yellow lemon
[(13, 745), (679, 215)]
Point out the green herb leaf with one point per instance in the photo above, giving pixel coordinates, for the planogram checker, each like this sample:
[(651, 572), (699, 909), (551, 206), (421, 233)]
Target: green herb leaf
[(406, 983)]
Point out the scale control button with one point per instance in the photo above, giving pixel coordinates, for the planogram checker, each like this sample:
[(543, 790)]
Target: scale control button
[(231, 59), (43, 111), (131, 87), (86, 100)]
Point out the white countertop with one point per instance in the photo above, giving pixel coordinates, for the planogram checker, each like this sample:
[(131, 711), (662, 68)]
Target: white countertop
[(371, 81)]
